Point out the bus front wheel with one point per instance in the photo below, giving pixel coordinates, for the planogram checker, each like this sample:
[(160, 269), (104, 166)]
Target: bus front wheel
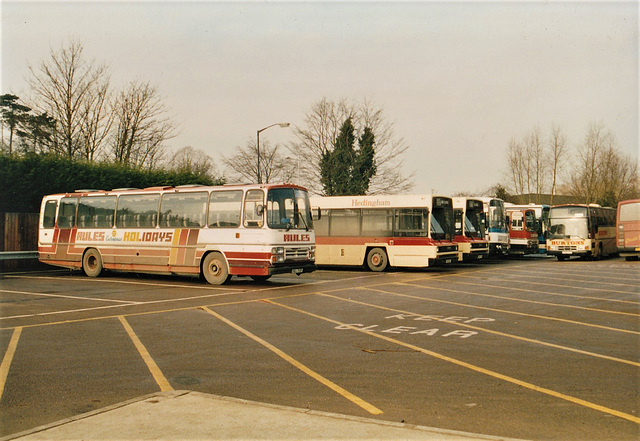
[(92, 263), (377, 259), (215, 269)]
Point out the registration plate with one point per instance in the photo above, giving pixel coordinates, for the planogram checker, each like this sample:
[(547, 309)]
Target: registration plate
[(297, 271), (448, 261), (566, 252)]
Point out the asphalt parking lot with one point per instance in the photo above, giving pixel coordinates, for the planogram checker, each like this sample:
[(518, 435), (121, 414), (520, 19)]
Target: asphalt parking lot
[(527, 348)]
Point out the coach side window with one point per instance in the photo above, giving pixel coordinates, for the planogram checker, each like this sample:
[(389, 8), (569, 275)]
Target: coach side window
[(96, 212), (180, 210), (225, 208), (67, 213), (137, 211)]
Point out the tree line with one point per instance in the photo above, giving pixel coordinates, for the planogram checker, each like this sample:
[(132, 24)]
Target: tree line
[(594, 170), (341, 147), (72, 111), (323, 156)]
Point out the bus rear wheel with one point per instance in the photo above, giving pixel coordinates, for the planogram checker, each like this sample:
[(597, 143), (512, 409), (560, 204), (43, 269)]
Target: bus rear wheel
[(215, 269), (92, 263), (377, 259)]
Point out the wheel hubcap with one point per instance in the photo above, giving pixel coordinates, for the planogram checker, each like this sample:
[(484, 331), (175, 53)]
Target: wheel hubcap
[(214, 268)]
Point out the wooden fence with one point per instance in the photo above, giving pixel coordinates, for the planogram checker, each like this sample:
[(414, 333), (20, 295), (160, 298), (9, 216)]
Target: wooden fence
[(18, 232)]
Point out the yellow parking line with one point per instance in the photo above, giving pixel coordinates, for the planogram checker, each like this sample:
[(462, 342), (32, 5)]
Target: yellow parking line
[(331, 385), (585, 288), (8, 358), (153, 367), (468, 305), (580, 276), (137, 314), (489, 331), (528, 290), (472, 367)]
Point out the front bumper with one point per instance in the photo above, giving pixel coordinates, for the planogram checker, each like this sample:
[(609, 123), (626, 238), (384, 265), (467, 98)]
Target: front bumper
[(294, 268)]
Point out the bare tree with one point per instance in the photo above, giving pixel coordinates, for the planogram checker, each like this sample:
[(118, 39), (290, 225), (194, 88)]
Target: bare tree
[(601, 173), (97, 121), (516, 156), (318, 134), (274, 167), (585, 176), (536, 164), (65, 87), (557, 150), (528, 168), (194, 161), (140, 126), (618, 175)]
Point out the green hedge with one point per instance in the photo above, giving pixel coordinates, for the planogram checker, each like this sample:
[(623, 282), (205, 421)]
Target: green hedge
[(26, 179)]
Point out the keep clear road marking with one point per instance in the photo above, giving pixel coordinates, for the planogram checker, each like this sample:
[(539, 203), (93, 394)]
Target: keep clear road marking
[(472, 367), (331, 385), (153, 367), (488, 331), (8, 358)]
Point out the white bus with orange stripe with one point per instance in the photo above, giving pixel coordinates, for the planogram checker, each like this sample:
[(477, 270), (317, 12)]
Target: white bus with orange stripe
[(215, 232), (385, 230)]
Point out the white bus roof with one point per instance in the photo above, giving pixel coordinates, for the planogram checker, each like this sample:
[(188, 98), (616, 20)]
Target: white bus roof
[(461, 201), (375, 201), (171, 189)]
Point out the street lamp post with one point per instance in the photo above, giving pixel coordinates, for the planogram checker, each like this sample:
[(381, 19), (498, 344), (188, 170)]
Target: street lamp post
[(258, 144)]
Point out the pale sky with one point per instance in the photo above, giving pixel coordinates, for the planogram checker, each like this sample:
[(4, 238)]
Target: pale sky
[(457, 79)]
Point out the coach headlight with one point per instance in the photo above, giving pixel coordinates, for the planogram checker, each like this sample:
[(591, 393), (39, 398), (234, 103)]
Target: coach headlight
[(277, 255)]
